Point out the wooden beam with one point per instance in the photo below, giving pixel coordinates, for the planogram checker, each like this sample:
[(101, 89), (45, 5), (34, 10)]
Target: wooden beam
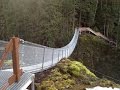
[(8, 48), (15, 58), (11, 80)]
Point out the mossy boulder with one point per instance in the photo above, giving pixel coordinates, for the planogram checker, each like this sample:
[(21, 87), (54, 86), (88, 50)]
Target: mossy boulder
[(105, 83), (68, 74), (46, 85), (56, 81), (76, 69)]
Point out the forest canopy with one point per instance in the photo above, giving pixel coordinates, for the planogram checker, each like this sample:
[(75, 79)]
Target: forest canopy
[(52, 22)]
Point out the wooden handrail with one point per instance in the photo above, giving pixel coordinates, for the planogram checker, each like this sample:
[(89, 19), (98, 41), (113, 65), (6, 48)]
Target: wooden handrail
[(8, 48), (85, 29), (12, 46)]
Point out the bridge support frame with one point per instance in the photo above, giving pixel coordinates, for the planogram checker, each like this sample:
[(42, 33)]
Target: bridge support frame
[(15, 57)]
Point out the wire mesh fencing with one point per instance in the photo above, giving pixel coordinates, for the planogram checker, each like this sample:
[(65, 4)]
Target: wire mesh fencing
[(34, 57)]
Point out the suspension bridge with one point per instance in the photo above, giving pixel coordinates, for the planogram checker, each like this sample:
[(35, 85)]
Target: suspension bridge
[(19, 59)]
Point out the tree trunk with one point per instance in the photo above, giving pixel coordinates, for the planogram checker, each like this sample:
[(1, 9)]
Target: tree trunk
[(107, 29), (101, 4), (80, 18), (73, 17)]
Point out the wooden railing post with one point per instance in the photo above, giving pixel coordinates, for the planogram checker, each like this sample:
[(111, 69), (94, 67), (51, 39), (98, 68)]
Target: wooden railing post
[(15, 58)]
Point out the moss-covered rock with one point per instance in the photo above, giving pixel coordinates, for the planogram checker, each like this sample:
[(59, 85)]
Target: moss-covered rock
[(105, 83), (75, 68), (57, 80), (69, 74), (78, 69), (46, 85)]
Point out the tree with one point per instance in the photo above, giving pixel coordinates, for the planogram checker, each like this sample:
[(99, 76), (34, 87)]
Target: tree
[(86, 10)]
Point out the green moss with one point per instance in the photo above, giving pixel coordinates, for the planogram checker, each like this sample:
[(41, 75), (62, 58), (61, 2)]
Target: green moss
[(57, 80), (8, 62), (66, 75), (75, 68), (63, 65), (46, 85), (68, 83), (104, 83)]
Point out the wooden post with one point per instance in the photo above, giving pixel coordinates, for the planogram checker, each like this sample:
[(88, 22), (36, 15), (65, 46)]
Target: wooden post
[(15, 58)]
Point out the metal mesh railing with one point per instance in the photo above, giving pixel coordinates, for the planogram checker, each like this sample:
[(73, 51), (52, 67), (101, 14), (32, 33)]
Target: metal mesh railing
[(34, 57), (8, 60)]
